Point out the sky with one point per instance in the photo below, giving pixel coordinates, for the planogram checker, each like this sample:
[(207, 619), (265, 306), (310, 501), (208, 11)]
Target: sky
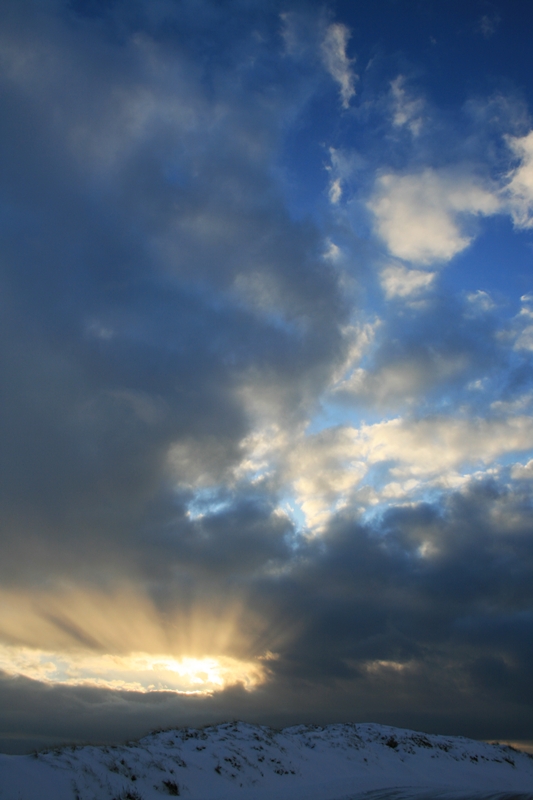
[(266, 330)]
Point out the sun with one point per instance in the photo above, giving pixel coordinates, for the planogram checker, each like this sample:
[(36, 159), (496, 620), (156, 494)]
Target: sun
[(138, 671)]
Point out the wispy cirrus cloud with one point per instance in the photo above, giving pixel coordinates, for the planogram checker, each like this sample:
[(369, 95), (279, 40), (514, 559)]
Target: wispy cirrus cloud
[(336, 61), (407, 111)]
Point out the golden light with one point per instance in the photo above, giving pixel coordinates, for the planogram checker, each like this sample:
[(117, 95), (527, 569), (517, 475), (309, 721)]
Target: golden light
[(120, 640), (139, 672)]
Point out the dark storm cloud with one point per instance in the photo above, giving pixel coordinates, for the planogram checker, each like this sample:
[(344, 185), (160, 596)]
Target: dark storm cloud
[(441, 641), (138, 187), (238, 540), (448, 582)]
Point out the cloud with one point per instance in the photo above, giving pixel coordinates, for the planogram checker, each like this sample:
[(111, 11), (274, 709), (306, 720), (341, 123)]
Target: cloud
[(519, 189), (522, 471), (150, 372), (343, 164), (376, 618), (523, 326), (200, 373), (167, 300), (336, 61), (325, 468), (400, 372), (488, 25), (398, 281), (421, 216), (406, 110), (329, 466), (405, 380), (481, 301), (434, 446)]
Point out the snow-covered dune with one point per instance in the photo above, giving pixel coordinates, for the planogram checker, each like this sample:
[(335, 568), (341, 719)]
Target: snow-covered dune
[(237, 760)]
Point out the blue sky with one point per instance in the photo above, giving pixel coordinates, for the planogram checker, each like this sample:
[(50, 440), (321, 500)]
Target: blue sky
[(267, 336)]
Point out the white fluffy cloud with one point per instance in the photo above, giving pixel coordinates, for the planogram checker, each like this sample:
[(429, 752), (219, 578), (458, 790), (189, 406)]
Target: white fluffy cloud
[(423, 217), (432, 446), (420, 216), (327, 468), (336, 61)]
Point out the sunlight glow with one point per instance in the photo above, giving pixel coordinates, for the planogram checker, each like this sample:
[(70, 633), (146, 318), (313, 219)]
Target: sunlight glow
[(138, 672)]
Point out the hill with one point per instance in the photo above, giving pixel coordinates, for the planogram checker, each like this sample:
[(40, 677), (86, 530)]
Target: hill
[(239, 760)]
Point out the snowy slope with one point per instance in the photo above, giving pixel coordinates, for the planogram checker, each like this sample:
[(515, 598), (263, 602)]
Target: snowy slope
[(237, 760)]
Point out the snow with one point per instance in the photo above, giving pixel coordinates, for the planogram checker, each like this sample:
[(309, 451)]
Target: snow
[(239, 760)]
